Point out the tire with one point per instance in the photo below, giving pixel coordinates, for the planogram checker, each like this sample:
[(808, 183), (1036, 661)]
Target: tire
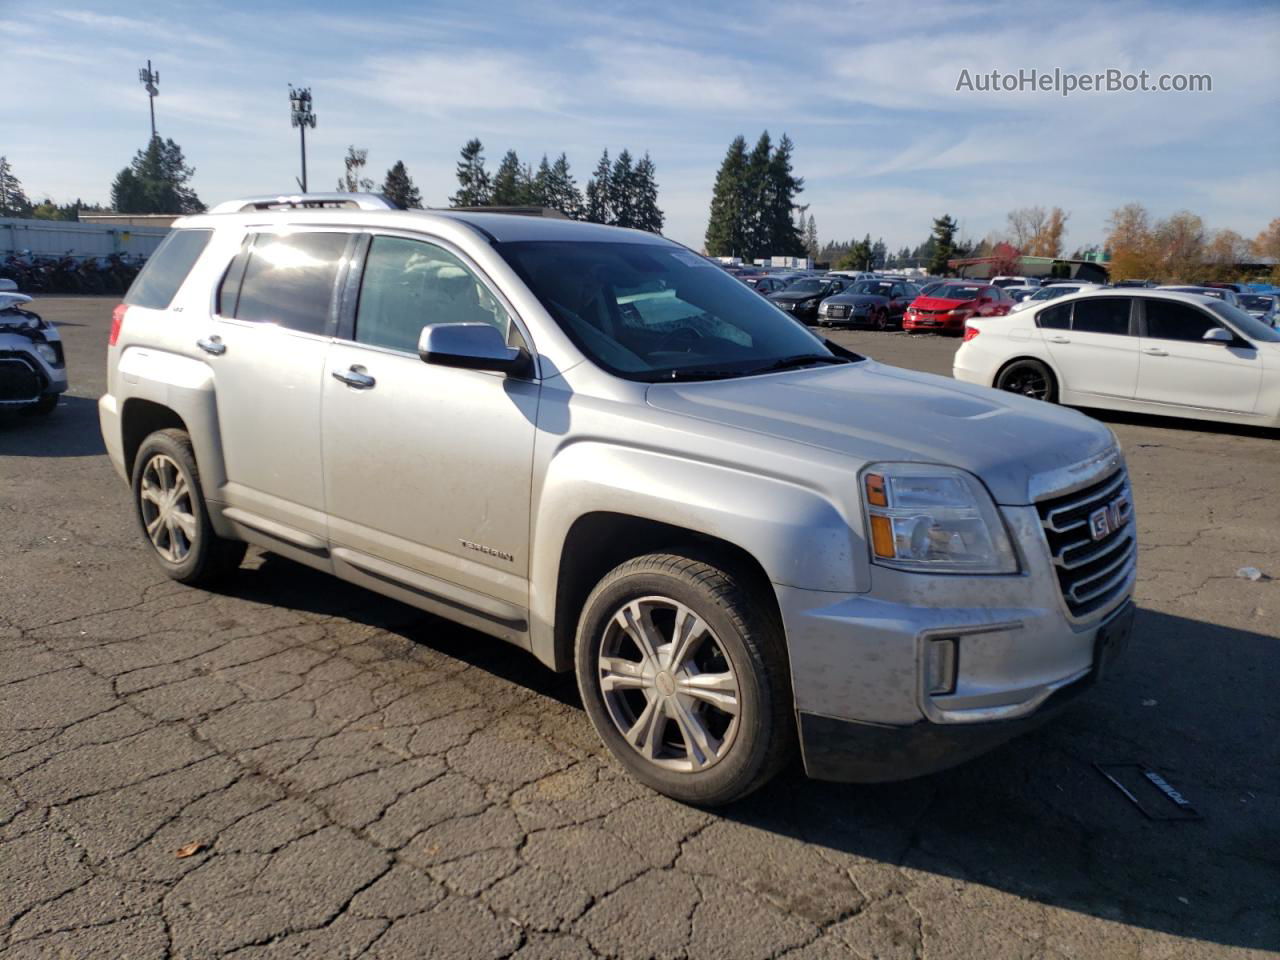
[(42, 407), (882, 320), (1029, 378), (182, 539), (685, 746)]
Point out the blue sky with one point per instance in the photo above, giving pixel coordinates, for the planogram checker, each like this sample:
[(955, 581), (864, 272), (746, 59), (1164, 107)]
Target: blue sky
[(866, 90)]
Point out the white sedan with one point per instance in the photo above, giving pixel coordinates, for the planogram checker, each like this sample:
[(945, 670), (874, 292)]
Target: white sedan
[(1147, 351)]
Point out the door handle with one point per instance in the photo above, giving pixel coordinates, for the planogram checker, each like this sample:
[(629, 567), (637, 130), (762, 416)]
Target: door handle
[(355, 377), (1059, 339), (1155, 352), (213, 345)]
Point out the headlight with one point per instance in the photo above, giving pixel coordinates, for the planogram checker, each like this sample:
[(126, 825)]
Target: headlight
[(936, 519), (47, 353)]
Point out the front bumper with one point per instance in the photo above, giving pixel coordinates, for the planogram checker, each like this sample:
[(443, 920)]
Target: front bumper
[(31, 376), (859, 751), (865, 667), (933, 323)]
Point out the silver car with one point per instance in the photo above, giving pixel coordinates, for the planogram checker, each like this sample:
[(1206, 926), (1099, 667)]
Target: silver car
[(593, 444), (33, 369)]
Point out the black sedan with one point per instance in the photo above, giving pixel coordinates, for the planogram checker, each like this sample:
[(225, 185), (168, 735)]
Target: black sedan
[(868, 303), (801, 298)]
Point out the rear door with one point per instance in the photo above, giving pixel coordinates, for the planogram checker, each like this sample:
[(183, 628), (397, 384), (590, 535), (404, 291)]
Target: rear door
[(267, 347), (1094, 345), (1177, 366)]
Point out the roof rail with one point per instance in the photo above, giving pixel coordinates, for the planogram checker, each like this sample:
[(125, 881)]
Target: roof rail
[(307, 201)]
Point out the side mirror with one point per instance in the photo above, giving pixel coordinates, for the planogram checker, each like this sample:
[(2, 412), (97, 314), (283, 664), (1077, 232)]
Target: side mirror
[(1218, 335), (471, 346)]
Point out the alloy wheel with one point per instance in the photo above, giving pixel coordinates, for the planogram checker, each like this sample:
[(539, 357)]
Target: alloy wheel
[(168, 513), (1027, 382), (667, 684)]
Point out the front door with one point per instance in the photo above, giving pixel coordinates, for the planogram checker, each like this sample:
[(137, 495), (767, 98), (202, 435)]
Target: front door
[(428, 468), (1178, 367)]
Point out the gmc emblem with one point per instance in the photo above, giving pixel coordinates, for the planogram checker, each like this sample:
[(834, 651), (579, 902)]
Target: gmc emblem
[(1108, 519)]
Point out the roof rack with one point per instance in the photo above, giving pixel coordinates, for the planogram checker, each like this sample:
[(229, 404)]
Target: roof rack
[(307, 201)]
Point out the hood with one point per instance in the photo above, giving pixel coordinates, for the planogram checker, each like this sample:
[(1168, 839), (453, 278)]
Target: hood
[(873, 412), (857, 298), (797, 297), (938, 303)]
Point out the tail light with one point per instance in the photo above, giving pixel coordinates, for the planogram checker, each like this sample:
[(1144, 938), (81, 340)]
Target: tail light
[(117, 318), (970, 332)]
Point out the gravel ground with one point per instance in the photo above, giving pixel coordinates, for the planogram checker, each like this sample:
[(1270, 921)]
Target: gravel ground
[(296, 767)]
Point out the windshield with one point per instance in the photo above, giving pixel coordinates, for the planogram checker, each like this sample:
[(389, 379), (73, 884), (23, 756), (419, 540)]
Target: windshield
[(652, 312), (1255, 302), (809, 286), (1251, 327), (957, 291), (874, 287)]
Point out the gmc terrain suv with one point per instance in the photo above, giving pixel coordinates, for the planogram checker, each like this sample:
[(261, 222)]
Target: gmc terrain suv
[(596, 445)]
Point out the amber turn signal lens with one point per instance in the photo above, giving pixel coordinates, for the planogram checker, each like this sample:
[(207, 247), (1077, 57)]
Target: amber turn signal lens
[(882, 537), (876, 494)]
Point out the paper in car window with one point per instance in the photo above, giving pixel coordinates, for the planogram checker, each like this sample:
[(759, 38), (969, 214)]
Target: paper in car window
[(690, 259)]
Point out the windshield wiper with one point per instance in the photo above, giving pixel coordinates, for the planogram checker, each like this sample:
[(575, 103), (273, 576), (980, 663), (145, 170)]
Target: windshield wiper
[(686, 373), (799, 360)]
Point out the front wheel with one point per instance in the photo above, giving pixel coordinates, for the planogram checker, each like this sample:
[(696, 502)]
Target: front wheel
[(172, 513), (42, 407), (684, 676), (1031, 378)]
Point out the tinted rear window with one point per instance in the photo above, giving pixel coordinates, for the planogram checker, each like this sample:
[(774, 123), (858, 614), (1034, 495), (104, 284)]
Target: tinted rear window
[(164, 272), (1105, 315), (289, 280)]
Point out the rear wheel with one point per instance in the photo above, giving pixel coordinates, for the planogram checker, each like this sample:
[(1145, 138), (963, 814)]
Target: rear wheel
[(172, 514), (684, 677), (1031, 378)]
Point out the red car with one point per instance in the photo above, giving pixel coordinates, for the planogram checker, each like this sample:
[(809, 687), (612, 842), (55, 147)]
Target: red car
[(947, 307)]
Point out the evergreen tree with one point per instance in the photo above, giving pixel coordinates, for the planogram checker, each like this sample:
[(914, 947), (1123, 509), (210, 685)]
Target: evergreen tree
[(757, 209), (879, 254), (622, 191), (354, 180), (157, 181), (783, 185), (13, 201), (944, 244), (647, 214), (473, 180), (811, 237), (540, 185), (399, 188), (562, 191), (599, 191), (508, 185), (726, 233)]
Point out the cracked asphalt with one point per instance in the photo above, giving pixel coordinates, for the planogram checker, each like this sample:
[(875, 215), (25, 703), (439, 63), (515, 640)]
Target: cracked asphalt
[(350, 777)]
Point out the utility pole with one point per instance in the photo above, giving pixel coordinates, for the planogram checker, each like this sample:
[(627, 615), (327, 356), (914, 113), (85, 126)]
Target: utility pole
[(302, 117), (150, 80)]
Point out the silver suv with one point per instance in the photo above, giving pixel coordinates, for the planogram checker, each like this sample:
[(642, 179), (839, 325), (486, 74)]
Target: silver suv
[(598, 446)]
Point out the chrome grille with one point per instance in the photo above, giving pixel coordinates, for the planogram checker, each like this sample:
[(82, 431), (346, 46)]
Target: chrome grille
[(838, 310), (1091, 572)]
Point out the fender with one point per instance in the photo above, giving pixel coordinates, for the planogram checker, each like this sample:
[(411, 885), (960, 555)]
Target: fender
[(185, 386), (797, 535)]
